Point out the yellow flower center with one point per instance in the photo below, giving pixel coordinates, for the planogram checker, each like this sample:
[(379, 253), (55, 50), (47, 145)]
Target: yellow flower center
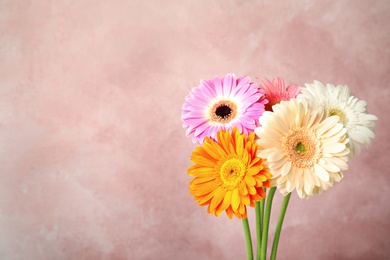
[(337, 112), (223, 111), (232, 172), (302, 147)]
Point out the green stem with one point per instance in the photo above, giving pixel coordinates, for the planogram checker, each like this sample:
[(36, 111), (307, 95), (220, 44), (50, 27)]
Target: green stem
[(267, 215), (259, 223), (248, 239), (259, 220), (262, 202), (279, 226)]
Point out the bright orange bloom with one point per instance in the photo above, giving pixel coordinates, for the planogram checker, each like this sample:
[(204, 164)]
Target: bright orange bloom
[(228, 174)]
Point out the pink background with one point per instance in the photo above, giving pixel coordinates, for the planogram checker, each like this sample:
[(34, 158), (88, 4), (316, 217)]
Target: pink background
[(93, 155)]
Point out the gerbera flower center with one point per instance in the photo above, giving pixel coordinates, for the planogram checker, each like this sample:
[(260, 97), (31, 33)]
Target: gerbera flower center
[(337, 112), (232, 172), (302, 147), (269, 105), (223, 111)]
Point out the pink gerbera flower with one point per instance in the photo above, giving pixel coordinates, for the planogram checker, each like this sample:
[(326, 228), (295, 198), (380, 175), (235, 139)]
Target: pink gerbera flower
[(277, 91), (221, 104)]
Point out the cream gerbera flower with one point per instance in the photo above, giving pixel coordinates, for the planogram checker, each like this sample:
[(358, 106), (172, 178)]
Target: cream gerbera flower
[(352, 112), (305, 149)]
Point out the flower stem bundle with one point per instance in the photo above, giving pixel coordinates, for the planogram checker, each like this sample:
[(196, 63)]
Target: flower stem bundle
[(252, 137)]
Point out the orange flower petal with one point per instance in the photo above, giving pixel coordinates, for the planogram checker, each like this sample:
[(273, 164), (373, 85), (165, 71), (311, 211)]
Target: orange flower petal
[(229, 212), (227, 200), (242, 188), (206, 188), (235, 199), (249, 180), (217, 199), (225, 173), (200, 171)]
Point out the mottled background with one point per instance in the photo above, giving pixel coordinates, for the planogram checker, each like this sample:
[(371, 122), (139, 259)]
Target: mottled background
[(93, 156)]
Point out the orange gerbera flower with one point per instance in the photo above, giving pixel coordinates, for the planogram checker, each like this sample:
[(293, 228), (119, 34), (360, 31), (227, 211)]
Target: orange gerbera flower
[(228, 174)]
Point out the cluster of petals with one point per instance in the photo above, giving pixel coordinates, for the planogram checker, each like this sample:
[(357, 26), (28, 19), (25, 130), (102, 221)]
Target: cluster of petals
[(228, 175), (304, 148), (276, 91), (337, 100), (222, 104), (304, 139)]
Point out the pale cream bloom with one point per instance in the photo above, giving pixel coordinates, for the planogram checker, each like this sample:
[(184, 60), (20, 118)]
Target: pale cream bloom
[(304, 148)]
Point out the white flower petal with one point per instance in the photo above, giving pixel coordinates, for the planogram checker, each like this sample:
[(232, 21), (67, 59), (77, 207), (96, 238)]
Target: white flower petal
[(277, 165), (286, 168), (359, 124), (327, 124), (333, 147), (328, 165), (266, 152), (275, 156), (340, 163), (321, 173), (334, 130)]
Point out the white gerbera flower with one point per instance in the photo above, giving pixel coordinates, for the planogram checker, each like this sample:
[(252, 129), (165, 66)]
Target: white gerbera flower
[(352, 112), (305, 149)]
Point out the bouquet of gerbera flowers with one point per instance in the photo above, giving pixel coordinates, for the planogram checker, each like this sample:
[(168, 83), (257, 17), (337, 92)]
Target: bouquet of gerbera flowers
[(269, 136)]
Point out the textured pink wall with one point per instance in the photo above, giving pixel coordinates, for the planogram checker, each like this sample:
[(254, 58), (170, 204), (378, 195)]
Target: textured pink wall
[(93, 156)]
